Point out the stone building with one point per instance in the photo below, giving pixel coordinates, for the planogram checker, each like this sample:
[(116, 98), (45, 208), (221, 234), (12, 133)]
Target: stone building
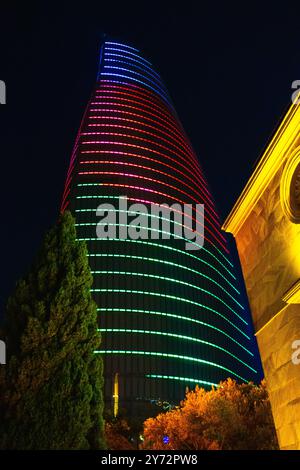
[(265, 222)]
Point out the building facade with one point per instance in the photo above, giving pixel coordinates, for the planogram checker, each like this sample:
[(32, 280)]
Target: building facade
[(170, 317), (266, 225)]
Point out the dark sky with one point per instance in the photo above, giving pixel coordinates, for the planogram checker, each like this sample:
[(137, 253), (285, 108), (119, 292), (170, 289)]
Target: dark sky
[(228, 70)]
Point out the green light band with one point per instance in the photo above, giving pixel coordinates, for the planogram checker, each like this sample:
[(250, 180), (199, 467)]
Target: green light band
[(125, 240), (172, 297), (139, 213), (91, 224), (171, 248), (217, 249), (155, 260), (182, 379), (169, 279), (173, 335), (173, 315), (171, 356)]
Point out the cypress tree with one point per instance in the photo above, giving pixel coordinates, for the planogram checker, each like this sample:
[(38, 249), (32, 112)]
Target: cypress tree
[(51, 386)]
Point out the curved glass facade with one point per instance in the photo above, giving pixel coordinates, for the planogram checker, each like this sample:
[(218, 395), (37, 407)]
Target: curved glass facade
[(169, 317)]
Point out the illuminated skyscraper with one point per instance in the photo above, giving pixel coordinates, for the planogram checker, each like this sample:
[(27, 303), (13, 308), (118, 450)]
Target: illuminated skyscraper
[(169, 317)]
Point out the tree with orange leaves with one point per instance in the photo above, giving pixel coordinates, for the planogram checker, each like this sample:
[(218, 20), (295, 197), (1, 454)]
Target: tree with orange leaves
[(230, 417)]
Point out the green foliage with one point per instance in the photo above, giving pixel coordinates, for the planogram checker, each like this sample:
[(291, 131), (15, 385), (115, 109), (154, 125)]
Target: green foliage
[(231, 417), (51, 387)]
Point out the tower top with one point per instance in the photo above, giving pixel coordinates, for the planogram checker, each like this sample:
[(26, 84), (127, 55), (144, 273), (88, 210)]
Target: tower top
[(125, 64)]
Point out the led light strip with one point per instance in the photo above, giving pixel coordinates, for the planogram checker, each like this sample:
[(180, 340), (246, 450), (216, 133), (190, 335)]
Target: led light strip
[(159, 91), (134, 90), (141, 122), (93, 224), (169, 279), (145, 76), (149, 202), (155, 192), (142, 131), (104, 162), (117, 82), (113, 43), (141, 103), (161, 120), (171, 297), (156, 244), (166, 103), (173, 335), (171, 356), (205, 197), (124, 62), (108, 54), (119, 152), (157, 217), (166, 246), (169, 263), (154, 142), (182, 379), (213, 233), (177, 317), (153, 170), (127, 52), (152, 216)]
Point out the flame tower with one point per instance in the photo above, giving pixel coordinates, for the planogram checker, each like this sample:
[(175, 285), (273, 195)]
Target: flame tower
[(169, 317)]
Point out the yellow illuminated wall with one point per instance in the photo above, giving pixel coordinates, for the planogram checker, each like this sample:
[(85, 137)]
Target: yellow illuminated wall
[(266, 225)]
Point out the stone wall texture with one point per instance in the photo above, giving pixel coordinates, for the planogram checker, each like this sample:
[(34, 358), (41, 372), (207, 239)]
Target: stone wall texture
[(269, 248)]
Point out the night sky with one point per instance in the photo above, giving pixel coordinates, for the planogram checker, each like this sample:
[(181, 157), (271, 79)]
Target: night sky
[(229, 72)]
